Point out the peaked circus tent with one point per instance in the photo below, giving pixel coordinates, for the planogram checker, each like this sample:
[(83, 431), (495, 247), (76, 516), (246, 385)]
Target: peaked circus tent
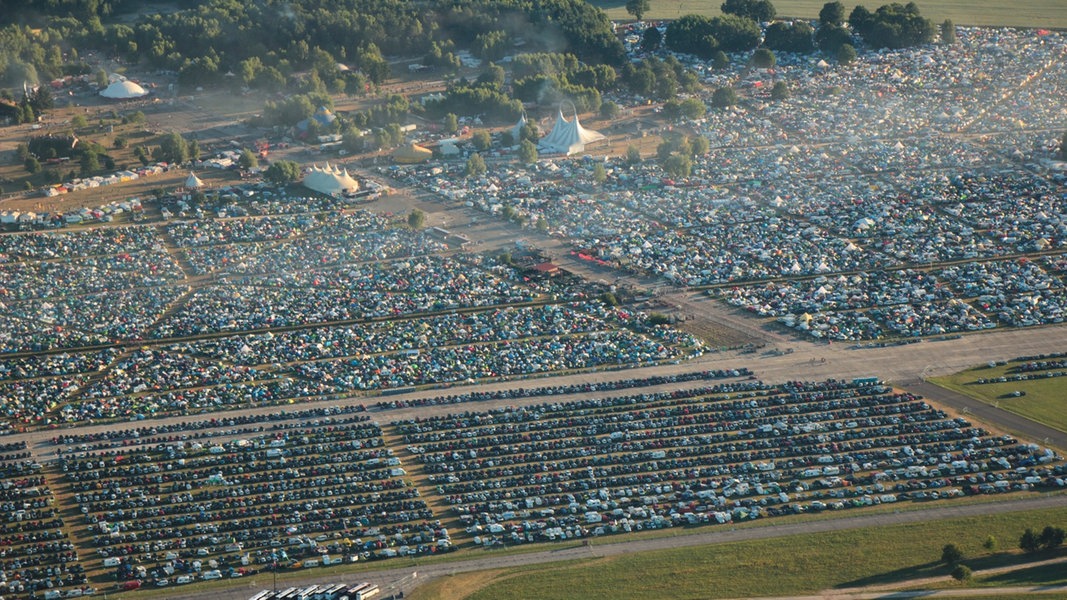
[(193, 182), (330, 180), (123, 89), (568, 137)]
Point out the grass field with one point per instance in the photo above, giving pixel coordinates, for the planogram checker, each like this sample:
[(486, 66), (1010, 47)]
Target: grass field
[(1025, 13), (797, 565), (1045, 400)]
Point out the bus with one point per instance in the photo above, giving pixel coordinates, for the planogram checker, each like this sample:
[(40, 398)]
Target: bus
[(362, 591), (331, 592)]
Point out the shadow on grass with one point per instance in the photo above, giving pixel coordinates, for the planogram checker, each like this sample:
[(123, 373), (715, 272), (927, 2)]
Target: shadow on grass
[(930, 569), (1054, 574)]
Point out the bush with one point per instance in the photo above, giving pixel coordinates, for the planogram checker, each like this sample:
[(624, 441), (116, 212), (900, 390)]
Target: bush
[(724, 96), (951, 555), (961, 573)]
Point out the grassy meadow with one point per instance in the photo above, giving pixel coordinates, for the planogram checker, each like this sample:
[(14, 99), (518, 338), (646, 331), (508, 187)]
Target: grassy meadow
[(774, 567), (1025, 13), (1044, 402)]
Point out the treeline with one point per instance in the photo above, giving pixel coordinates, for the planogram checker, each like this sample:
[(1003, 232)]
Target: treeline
[(738, 29), (265, 43)]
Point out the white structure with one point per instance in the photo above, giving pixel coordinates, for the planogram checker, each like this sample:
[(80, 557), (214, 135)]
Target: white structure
[(330, 180), (123, 89), (568, 137), (192, 182)]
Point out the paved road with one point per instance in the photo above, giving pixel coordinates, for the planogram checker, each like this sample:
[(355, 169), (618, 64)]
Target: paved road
[(496, 559)]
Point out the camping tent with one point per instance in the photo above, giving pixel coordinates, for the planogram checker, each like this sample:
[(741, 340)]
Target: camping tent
[(330, 180), (192, 182), (123, 89), (412, 153), (568, 137)]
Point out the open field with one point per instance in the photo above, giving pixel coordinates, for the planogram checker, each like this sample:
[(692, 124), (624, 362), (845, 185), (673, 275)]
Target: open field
[(1028, 13), (1043, 401), (768, 567)]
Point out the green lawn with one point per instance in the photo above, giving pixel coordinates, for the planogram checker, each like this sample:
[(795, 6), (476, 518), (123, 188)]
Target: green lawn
[(1025, 13), (1045, 400), (784, 566)]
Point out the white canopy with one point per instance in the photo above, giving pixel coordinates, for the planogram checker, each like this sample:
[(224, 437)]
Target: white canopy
[(193, 182), (568, 137), (330, 180), (123, 89)]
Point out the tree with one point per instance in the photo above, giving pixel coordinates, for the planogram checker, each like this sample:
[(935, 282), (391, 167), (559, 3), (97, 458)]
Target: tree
[(22, 151), (142, 155), (600, 175), (527, 152), (832, 13), (609, 110), (1029, 542), (723, 97), (451, 123), (173, 149), (282, 172), (790, 37), (32, 165), (481, 140), (79, 122), (693, 108), (633, 155), (719, 60), (101, 78), (1051, 537), (763, 58), (90, 163), (948, 32), (961, 573), (951, 555), (677, 166), (830, 38), (990, 544), (417, 218), (699, 146), (757, 10), (651, 39), (638, 8), (846, 54), (475, 166), (780, 91), (247, 160)]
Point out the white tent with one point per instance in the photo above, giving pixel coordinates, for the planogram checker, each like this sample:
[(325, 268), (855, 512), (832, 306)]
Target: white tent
[(330, 180), (568, 137), (123, 89), (193, 182)]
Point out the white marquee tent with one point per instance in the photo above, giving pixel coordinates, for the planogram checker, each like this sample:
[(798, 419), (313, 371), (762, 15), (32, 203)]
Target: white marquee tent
[(123, 89), (330, 180), (568, 137)]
